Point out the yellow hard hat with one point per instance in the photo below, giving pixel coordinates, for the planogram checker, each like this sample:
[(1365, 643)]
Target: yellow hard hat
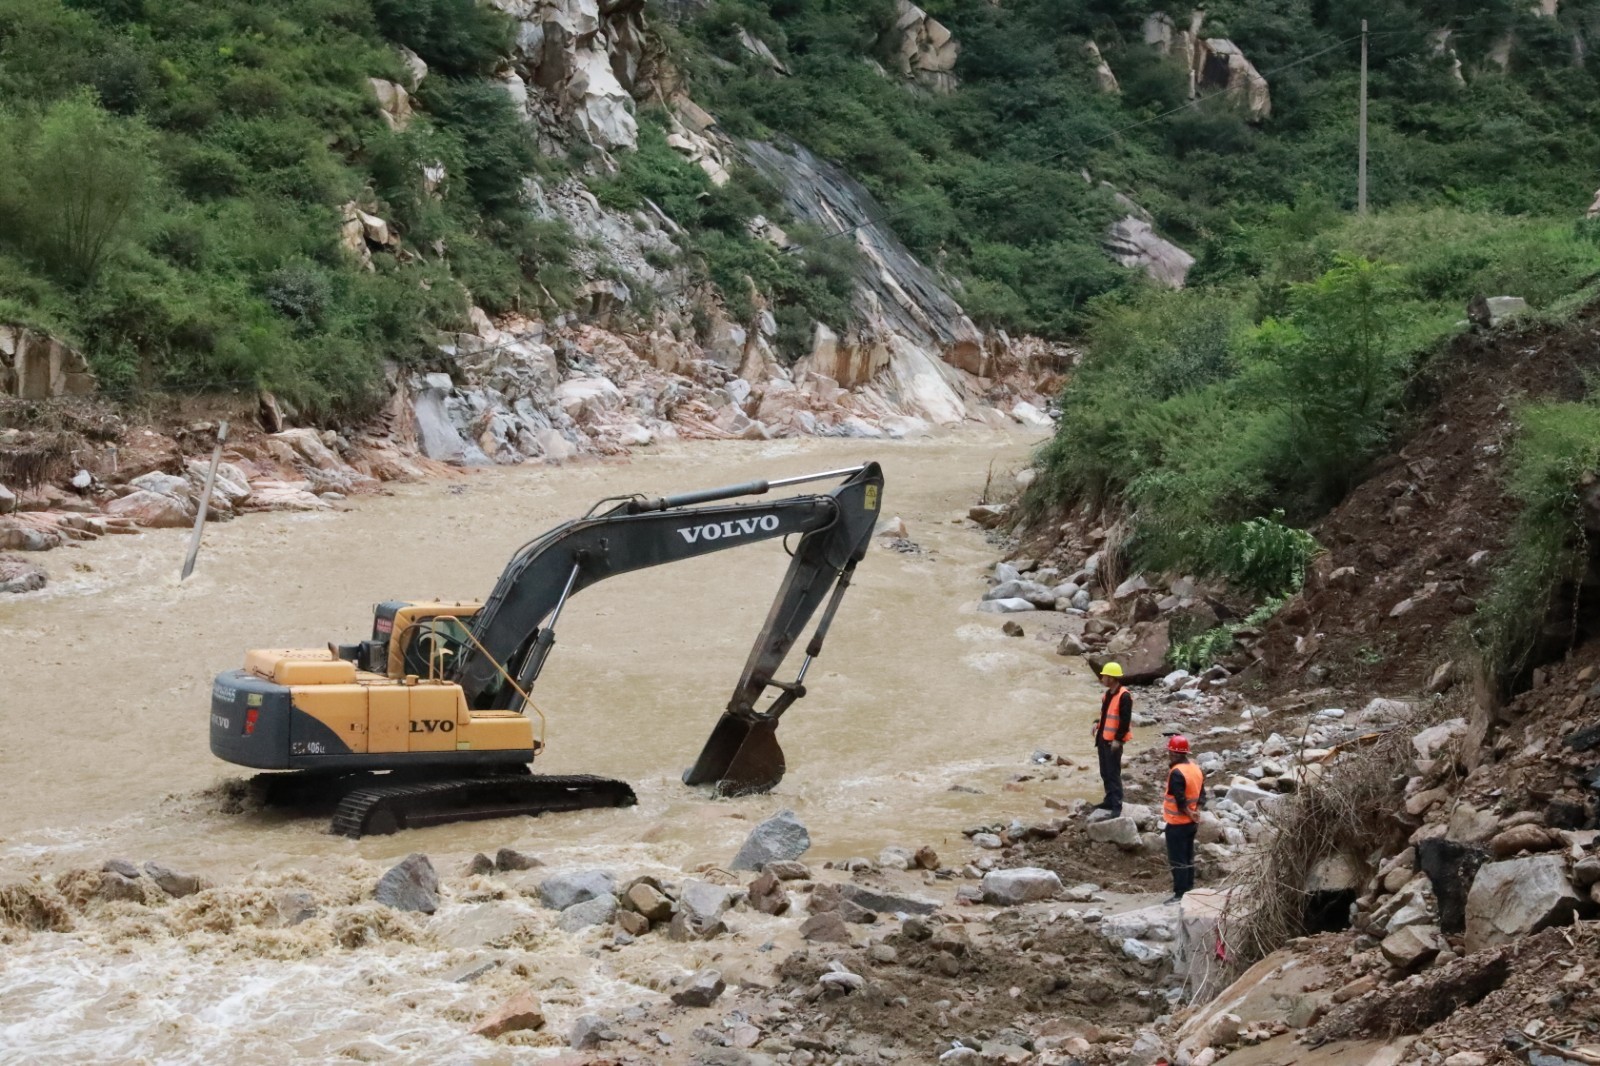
[(1111, 670)]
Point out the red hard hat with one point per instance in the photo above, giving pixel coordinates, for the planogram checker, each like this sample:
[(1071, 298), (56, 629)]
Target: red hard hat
[(1178, 744)]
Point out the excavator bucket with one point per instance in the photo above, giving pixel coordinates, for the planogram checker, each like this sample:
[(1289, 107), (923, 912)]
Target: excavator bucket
[(740, 757)]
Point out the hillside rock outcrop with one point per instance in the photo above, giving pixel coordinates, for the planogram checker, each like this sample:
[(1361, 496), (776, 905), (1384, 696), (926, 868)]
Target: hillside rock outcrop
[(35, 366), (574, 65), (924, 49), (1212, 64)]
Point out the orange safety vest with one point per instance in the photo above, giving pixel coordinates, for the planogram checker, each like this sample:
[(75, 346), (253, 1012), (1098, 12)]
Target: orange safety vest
[(1194, 783), (1111, 722)]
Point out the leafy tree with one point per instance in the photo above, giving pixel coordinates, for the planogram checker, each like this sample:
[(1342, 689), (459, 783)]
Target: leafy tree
[(80, 183)]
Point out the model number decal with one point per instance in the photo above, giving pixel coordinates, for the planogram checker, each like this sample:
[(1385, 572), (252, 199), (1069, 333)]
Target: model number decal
[(433, 725), (308, 747), (734, 527)]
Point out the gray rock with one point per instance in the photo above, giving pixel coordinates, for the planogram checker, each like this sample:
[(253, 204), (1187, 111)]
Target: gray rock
[(887, 902), (17, 576), (825, 928), (123, 867), (590, 1031), (701, 990), (1004, 572), (1119, 831), (172, 882), (1246, 795), (1491, 311), (560, 891), (1413, 947), (8, 500), (988, 841), (118, 886), (410, 885), (294, 906), (479, 865), (1139, 951), (1005, 590), (597, 911), (1081, 600), (1511, 899), (780, 838), (704, 901), (1012, 605), (1009, 888)]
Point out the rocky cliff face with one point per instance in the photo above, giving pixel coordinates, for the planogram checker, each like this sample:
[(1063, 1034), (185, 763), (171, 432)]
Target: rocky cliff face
[(608, 376)]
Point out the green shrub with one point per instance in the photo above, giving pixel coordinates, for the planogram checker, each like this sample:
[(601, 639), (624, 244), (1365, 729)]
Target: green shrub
[(481, 115), (1556, 451), (458, 37), (1262, 555)]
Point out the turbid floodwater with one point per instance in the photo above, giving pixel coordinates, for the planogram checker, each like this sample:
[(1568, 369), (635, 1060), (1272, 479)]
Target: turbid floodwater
[(104, 686)]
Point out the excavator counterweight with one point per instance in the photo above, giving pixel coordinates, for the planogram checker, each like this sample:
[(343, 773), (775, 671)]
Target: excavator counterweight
[(428, 721)]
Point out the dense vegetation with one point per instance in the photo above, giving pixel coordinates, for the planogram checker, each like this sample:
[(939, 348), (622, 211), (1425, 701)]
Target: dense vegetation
[(176, 171), (1226, 418)]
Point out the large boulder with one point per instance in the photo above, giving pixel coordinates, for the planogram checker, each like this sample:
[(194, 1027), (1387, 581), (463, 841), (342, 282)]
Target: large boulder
[(563, 890), (596, 911), (1517, 897), (1412, 947), (153, 510), (1135, 244), (1123, 832), (1008, 888), (781, 837), (700, 990), (410, 885), (1143, 658), (923, 47)]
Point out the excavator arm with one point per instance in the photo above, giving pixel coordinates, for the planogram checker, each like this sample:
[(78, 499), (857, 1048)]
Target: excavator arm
[(513, 634)]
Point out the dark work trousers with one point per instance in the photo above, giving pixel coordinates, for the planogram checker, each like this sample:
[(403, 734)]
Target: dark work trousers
[(1111, 775), (1180, 856)]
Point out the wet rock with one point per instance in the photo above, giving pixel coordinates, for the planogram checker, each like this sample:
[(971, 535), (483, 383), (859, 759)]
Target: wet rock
[(767, 895), (781, 837), (1512, 899), (700, 910), (633, 923), (988, 841), (115, 885), (1412, 947), (294, 906), (988, 515), (925, 858), (590, 1031), (597, 911), (886, 902), (8, 500), (1013, 629), (410, 885), (170, 881), (855, 914), (17, 576), (1010, 888), (1010, 605), (519, 1014), (153, 510), (1119, 831), (507, 860), (701, 990), (649, 901), (788, 870), (825, 928), (479, 865), (560, 891)]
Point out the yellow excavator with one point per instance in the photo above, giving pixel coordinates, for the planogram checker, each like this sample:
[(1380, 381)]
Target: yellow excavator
[(428, 721)]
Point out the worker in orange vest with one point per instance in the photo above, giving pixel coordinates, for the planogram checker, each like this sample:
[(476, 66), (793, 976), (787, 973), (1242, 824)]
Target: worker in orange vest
[(1186, 794), (1111, 732)]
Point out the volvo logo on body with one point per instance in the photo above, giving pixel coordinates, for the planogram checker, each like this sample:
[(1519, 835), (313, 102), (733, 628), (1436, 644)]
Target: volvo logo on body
[(734, 527)]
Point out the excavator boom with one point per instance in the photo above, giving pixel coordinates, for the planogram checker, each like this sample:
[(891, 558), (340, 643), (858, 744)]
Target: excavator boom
[(515, 631)]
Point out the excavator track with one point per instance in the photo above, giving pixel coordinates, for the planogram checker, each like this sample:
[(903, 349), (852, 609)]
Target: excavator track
[(382, 809)]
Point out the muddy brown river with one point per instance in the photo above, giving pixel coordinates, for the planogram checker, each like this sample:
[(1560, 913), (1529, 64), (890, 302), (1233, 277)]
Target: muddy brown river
[(104, 686)]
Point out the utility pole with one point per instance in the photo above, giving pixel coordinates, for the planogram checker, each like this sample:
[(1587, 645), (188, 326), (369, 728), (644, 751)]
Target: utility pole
[(1361, 178)]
